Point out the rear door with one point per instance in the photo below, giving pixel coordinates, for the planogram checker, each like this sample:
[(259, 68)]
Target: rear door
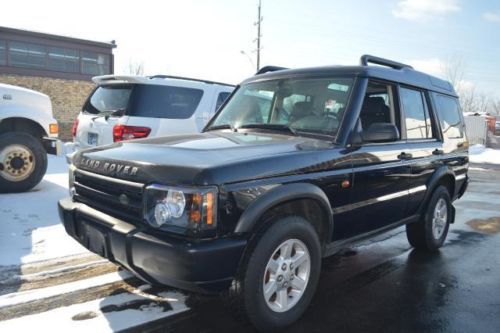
[(103, 109), (424, 148)]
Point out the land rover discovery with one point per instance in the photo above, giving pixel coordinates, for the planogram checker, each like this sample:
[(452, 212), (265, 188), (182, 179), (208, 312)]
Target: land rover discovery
[(252, 204)]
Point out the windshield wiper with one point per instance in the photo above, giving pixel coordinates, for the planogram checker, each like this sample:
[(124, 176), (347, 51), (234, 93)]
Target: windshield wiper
[(279, 127), (223, 126)]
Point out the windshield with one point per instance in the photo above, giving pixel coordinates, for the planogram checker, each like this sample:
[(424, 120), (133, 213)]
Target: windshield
[(312, 105)]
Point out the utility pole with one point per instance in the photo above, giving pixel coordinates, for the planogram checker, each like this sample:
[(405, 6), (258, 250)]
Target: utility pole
[(259, 21)]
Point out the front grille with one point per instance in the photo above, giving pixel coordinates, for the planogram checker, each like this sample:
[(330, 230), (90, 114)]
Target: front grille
[(120, 199)]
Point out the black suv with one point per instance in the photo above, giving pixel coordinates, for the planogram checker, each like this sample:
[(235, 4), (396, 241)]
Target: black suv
[(296, 164)]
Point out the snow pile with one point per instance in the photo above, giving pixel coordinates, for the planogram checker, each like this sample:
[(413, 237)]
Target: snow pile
[(481, 154), (30, 229)]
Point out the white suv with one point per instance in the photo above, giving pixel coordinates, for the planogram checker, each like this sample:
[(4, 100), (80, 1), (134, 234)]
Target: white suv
[(128, 107)]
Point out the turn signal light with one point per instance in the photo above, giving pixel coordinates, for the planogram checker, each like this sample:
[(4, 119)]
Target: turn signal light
[(53, 128), (123, 132)]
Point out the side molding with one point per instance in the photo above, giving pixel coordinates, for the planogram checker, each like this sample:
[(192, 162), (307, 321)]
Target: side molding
[(282, 194)]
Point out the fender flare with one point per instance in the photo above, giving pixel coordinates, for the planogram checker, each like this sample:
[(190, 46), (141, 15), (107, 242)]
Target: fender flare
[(432, 184), (282, 194)]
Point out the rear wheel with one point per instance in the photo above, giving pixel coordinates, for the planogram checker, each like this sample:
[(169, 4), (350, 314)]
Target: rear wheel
[(431, 231), (23, 162), (281, 274)]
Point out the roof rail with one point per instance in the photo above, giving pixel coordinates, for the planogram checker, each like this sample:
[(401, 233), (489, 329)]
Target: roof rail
[(365, 59), (266, 69), (188, 79)]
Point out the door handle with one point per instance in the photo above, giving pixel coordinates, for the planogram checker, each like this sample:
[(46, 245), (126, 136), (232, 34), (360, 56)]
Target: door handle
[(405, 156), (438, 152)]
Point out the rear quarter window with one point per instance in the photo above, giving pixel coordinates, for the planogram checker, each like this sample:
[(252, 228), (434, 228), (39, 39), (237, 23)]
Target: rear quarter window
[(448, 113), (157, 101)]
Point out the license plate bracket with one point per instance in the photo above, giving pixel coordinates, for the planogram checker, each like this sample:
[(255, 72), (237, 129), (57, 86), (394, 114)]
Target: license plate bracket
[(94, 239)]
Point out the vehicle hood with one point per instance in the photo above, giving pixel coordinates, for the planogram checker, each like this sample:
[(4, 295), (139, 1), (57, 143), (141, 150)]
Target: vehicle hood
[(212, 158)]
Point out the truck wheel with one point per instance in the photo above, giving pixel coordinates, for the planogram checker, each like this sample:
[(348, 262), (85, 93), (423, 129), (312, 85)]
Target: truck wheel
[(281, 274), (23, 162), (430, 232)]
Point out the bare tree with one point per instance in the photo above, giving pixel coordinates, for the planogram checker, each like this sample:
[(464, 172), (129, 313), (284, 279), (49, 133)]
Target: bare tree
[(135, 67), (495, 106), (454, 71)]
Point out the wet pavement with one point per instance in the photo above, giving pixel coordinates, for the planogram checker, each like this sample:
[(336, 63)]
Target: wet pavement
[(384, 285)]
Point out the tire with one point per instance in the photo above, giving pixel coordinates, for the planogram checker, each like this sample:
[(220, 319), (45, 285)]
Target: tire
[(430, 232), (23, 162), (249, 290)]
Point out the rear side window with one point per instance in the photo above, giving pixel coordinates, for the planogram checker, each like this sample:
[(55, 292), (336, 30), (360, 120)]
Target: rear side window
[(417, 120), (163, 101), (107, 99), (221, 99), (448, 112)]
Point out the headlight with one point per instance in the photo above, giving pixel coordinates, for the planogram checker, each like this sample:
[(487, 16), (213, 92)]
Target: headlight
[(71, 180), (194, 209)]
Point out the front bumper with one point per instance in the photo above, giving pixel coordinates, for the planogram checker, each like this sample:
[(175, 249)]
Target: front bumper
[(202, 266), (53, 146)]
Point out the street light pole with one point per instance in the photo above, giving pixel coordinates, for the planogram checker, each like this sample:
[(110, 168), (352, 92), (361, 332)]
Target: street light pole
[(259, 20)]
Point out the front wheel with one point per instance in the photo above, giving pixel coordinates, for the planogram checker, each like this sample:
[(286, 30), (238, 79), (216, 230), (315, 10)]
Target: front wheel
[(23, 162), (431, 231), (281, 274)]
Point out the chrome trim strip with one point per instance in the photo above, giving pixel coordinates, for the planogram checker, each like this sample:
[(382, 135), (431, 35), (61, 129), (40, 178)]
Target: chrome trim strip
[(417, 189), (390, 196), (460, 177), (110, 179)]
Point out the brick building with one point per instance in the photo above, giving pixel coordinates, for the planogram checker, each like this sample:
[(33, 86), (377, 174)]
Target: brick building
[(59, 66)]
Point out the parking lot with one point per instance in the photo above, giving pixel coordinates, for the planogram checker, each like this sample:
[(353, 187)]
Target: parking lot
[(379, 285)]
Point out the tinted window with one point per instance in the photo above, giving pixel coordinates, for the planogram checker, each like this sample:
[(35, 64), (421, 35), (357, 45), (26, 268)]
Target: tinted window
[(95, 63), (306, 105), (63, 60), (448, 113), (418, 125), (163, 101), (3, 61), (108, 99), (27, 55), (221, 99)]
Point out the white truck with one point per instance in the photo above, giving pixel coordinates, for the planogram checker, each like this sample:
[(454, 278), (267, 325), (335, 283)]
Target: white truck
[(28, 132)]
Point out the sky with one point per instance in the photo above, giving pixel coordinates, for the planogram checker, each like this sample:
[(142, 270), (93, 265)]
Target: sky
[(204, 39)]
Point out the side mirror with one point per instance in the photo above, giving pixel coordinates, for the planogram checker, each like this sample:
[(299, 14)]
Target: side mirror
[(381, 132)]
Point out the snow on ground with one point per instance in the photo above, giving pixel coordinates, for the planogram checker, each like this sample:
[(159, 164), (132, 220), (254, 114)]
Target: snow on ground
[(30, 229), (481, 154)]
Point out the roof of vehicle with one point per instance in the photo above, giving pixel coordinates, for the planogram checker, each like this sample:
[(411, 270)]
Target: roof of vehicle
[(392, 71), (155, 79)]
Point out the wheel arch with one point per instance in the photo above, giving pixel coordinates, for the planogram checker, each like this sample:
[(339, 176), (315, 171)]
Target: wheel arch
[(21, 124), (442, 176), (303, 199)]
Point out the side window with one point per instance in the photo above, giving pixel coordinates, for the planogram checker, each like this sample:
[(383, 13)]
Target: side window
[(448, 113), (378, 106), (221, 99), (417, 120)]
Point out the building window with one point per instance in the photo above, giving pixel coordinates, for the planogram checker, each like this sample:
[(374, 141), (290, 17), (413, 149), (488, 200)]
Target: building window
[(3, 61), (95, 63), (64, 60), (27, 55)]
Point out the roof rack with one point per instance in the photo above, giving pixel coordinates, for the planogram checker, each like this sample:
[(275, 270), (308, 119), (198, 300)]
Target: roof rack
[(188, 79), (365, 59), (266, 69)]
